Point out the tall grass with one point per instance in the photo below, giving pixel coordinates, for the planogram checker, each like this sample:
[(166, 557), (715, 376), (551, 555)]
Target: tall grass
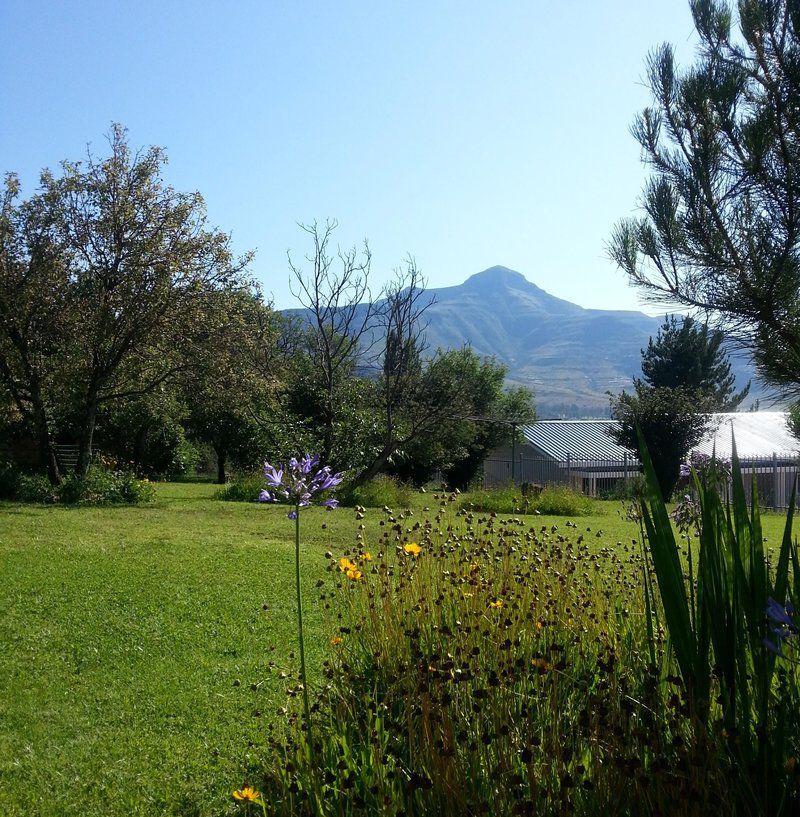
[(553, 500), (484, 665), (714, 606)]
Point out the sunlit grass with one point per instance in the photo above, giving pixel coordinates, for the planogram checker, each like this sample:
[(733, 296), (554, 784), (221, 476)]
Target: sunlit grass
[(145, 649)]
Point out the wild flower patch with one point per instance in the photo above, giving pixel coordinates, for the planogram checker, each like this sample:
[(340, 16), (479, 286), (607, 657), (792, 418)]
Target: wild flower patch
[(483, 664)]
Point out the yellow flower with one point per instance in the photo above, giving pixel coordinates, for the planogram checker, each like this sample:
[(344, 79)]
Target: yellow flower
[(497, 603), (345, 565), (473, 568), (248, 794), (353, 573), (541, 664), (336, 641), (367, 556), (467, 595), (413, 549)]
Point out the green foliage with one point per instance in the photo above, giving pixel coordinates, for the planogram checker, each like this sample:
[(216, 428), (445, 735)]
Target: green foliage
[(793, 420), (720, 227), (559, 500), (167, 602), (100, 486), (671, 420), (717, 630), (498, 666), (625, 489), (691, 356), (553, 500), (106, 277), (458, 392), (35, 488), (243, 488), (381, 491), (8, 480)]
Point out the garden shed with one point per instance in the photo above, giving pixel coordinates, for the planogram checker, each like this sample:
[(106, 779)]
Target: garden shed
[(583, 454)]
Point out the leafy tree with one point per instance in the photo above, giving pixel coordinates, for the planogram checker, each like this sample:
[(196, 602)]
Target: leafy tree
[(722, 207), (672, 421), (35, 297), (233, 378), (107, 267), (465, 394), (690, 355)]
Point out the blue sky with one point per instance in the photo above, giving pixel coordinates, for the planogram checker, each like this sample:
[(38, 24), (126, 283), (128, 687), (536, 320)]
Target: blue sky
[(467, 134)]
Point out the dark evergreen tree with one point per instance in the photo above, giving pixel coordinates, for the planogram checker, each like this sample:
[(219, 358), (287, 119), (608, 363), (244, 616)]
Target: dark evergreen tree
[(672, 421), (691, 355)]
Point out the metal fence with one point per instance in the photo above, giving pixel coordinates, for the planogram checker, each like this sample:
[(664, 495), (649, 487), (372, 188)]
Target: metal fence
[(775, 475), (587, 475)]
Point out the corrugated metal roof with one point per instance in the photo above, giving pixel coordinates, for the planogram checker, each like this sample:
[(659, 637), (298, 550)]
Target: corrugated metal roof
[(758, 434), (579, 438)]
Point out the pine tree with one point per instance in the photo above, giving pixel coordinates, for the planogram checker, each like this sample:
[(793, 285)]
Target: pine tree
[(690, 355)]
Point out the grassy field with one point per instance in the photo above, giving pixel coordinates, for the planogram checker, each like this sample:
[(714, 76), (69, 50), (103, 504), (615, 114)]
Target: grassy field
[(146, 650)]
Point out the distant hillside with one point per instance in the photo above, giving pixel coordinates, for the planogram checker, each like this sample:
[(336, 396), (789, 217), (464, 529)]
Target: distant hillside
[(569, 355)]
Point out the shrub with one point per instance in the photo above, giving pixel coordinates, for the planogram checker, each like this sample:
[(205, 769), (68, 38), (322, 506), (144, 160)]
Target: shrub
[(556, 500), (625, 489), (559, 500), (34, 488), (243, 488), (100, 486), (379, 492)]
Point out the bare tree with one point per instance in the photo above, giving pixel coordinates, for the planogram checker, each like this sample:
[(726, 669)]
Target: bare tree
[(400, 316), (335, 292)]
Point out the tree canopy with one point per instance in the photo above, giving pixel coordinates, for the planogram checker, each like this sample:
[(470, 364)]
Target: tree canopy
[(104, 275), (721, 219), (691, 355)]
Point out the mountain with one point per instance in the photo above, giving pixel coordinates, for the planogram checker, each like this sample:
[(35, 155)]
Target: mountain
[(569, 355)]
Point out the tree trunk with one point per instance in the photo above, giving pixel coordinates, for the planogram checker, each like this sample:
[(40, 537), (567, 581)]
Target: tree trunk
[(222, 458), (47, 454), (85, 439)]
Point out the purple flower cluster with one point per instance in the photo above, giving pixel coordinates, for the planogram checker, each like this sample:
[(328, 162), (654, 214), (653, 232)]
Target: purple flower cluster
[(297, 481), (783, 625)]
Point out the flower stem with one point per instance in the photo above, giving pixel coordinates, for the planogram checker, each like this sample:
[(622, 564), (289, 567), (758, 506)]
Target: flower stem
[(300, 620)]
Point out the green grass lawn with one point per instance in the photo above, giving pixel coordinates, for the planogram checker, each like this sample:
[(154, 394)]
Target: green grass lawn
[(143, 650)]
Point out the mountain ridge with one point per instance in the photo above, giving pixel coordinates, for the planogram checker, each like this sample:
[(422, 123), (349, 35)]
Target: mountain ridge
[(569, 355)]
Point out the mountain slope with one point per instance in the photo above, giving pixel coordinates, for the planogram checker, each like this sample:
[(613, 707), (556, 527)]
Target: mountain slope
[(569, 355)]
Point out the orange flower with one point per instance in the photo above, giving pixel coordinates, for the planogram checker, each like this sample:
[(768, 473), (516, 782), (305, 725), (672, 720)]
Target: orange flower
[(413, 549), (336, 641), (353, 573)]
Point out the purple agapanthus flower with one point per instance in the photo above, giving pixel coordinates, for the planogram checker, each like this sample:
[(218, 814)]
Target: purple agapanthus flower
[(781, 616), (298, 481)]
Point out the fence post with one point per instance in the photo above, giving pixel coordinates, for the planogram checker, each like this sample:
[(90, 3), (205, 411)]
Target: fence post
[(513, 452), (775, 485), (569, 469), (626, 467)]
